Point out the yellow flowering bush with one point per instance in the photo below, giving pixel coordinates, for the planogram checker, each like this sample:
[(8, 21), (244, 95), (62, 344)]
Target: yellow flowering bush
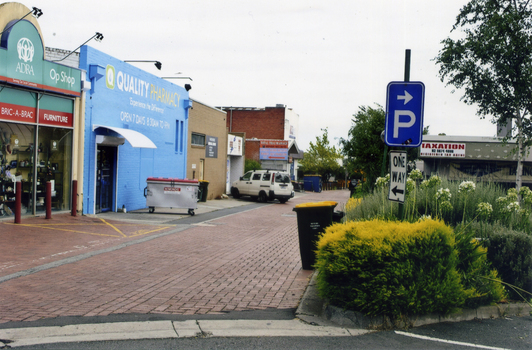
[(391, 268), (352, 203)]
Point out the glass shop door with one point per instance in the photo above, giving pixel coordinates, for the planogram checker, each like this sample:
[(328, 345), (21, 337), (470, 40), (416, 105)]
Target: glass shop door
[(105, 176)]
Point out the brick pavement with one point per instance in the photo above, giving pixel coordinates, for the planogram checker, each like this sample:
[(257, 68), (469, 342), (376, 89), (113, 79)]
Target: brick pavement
[(246, 261), (36, 241)]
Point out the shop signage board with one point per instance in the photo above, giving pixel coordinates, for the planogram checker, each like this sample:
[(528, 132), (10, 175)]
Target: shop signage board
[(234, 145), (404, 114), (23, 64), (20, 106), (274, 150), (443, 150), (397, 190), (211, 148)]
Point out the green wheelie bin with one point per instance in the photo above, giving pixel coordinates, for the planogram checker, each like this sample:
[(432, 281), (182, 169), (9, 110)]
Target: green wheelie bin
[(203, 190)]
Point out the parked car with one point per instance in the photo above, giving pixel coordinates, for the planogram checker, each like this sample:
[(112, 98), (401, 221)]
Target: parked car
[(265, 185)]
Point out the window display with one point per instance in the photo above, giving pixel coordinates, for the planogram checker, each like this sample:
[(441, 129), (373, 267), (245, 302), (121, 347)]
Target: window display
[(20, 160)]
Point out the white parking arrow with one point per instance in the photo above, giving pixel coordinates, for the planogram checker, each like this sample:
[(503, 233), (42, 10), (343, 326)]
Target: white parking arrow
[(407, 97)]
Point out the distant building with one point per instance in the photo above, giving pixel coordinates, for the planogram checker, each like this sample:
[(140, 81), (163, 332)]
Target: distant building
[(270, 135), (207, 147), (473, 157)]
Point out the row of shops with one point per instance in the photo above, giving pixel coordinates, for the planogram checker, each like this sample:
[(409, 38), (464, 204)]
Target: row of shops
[(101, 122), (477, 158)]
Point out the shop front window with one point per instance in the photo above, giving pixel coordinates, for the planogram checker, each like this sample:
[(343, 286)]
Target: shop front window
[(16, 164), (54, 160), (50, 158)]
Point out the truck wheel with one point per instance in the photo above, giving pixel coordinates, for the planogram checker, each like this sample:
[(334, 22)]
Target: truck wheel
[(235, 193)]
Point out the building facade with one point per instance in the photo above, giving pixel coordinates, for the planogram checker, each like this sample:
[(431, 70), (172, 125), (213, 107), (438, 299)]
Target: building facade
[(40, 112), (470, 157), (207, 156), (136, 126), (271, 135)]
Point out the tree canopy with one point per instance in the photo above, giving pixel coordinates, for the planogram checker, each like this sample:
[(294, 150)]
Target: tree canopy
[(321, 158), (492, 61), (364, 147)]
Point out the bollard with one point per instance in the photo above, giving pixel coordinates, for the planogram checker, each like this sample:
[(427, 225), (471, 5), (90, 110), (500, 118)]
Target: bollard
[(18, 201), (48, 200), (74, 197)]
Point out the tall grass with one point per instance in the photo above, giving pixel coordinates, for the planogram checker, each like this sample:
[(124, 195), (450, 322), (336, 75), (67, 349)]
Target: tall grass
[(424, 200)]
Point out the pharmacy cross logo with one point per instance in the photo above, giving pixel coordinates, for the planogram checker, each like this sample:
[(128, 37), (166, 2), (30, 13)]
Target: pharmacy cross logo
[(25, 50)]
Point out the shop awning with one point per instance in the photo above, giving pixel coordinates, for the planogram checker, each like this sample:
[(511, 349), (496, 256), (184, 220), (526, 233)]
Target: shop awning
[(135, 138)]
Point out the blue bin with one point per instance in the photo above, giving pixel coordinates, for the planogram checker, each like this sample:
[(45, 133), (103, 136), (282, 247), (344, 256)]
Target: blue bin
[(312, 183)]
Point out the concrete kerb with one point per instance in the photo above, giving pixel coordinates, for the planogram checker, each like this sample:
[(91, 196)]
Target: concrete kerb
[(16, 337), (314, 310)]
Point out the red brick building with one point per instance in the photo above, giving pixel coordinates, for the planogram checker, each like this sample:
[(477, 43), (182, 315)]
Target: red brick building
[(262, 125)]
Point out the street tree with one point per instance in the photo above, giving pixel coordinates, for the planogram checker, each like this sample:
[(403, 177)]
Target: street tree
[(492, 62), (321, 158), (364, 147)]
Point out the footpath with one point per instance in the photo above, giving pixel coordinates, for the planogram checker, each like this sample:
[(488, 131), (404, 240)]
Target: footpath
[(106, 276)]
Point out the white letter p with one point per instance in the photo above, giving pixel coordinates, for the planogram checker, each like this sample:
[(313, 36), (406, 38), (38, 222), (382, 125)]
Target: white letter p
[(397, 124)]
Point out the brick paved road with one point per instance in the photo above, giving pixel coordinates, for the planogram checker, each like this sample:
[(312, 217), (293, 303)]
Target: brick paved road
[(246, 261)]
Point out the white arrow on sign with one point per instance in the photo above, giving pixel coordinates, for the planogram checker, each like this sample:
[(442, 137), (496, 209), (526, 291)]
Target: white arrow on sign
[(407, 97)]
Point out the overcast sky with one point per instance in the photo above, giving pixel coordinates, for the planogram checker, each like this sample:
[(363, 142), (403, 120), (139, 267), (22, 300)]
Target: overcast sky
[(323, 59)]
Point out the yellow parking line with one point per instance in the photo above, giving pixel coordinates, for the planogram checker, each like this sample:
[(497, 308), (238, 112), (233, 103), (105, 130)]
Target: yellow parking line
[(58, 227), (114, 227), (140, 232), (51, 227)]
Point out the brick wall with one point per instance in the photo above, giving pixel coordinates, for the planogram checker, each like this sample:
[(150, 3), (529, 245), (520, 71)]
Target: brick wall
[(253, 149), (267, 123)]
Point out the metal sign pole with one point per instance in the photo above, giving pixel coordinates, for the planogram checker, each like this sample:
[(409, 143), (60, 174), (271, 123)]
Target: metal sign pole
[(407, 78)]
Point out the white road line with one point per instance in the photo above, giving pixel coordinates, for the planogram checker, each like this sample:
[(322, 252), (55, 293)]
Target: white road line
[(448, 341)]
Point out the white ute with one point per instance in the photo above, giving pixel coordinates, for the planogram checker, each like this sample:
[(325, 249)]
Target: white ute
[(264, 185)]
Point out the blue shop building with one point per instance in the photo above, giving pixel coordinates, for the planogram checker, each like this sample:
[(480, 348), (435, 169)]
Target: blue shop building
[(136, 126)]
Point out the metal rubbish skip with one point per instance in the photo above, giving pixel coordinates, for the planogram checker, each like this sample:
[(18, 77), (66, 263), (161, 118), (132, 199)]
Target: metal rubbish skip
[(171, 193)]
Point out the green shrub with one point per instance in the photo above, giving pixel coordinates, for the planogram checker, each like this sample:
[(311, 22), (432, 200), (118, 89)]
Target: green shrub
[(510, 252), (390, 268), (251, 164), (480, 280)]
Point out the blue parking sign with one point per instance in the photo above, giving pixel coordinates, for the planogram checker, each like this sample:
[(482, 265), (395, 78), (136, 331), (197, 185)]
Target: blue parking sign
[(404, 114)]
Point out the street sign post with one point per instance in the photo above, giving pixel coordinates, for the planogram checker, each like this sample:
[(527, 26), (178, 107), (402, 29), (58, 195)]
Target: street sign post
[(397, 190), (404, 114)]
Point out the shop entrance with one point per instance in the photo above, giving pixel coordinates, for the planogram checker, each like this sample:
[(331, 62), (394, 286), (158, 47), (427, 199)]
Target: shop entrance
[(105, 176)]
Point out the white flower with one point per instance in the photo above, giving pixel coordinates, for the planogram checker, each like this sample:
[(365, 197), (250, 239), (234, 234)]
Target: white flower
[(512, 195), (425, 217), (443, 195), (434, 181), (466, 187), (382, 181), (484, 209), (416, 174), (514, 206)]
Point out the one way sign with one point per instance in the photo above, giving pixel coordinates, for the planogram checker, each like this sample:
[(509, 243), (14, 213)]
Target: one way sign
[(397, 176), (404, 114)]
